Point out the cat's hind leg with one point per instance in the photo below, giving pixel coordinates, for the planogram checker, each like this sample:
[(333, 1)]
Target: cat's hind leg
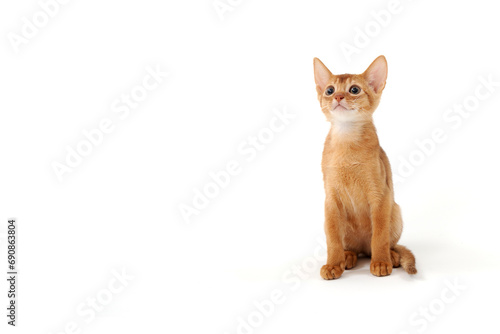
[(351, 258), (395, 259)]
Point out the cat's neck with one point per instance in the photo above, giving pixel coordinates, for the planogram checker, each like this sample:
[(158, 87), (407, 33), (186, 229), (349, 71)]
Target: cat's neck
[(353, 131)]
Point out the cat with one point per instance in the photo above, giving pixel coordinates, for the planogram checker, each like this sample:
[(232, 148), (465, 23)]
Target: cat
[(361, 216)]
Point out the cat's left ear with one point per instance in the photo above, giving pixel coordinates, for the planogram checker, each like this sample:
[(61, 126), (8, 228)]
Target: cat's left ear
[(376, 74)]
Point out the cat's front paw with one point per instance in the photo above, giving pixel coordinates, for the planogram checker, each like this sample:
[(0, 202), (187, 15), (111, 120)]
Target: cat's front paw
[(332, 272), (381, 268)]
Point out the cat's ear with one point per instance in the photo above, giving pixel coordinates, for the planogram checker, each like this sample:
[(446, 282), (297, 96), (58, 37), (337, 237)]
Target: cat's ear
[(322, 75), (376, 74)]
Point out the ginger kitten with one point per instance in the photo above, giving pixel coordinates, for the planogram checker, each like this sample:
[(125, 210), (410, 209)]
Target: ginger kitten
[(360, 213)]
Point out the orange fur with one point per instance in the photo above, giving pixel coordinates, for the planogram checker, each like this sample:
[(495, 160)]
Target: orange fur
[(361, 215)]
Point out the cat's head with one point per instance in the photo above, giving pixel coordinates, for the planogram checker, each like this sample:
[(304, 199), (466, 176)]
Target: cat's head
[(350, 96)]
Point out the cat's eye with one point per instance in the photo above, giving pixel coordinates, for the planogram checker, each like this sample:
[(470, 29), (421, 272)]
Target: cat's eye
[(329, 91), (354, 90)]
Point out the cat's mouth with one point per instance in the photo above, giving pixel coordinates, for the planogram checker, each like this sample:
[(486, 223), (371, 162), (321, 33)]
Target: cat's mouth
[(340, 107)]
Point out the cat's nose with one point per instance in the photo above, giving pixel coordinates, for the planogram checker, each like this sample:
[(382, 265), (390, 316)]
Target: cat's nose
[(339, 97)]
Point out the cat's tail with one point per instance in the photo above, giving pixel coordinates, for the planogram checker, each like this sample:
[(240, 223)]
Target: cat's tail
[(407, 260)]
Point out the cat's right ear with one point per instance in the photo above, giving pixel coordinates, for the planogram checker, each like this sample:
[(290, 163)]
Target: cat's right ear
[(376, 74), (322, 75)]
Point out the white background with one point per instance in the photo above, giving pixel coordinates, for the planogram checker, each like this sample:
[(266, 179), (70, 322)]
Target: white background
[(120, 207)]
